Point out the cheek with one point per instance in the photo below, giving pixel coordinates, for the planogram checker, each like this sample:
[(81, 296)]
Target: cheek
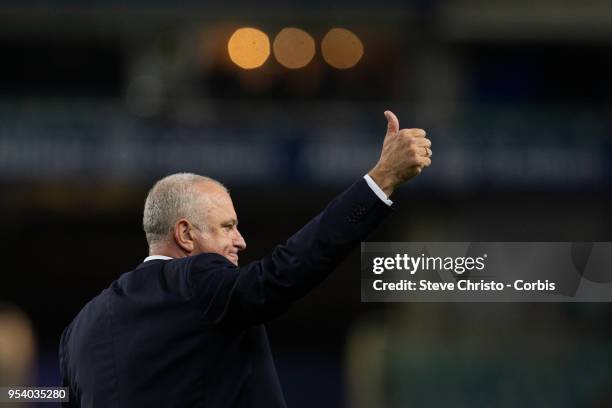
[(216, 243), (228, 243), (202, 245), (206, 243)]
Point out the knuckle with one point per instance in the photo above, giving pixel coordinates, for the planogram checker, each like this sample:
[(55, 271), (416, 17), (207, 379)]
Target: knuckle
[(413, 132), (418, 132)]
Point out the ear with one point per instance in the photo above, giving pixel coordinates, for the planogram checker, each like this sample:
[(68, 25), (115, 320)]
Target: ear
[(183, 235)]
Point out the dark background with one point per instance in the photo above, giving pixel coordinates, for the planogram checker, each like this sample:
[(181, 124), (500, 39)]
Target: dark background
[(98, 100)]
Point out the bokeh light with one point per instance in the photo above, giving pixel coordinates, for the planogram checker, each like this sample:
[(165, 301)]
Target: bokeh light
[(293, 48), (249, 47), (341, 48)]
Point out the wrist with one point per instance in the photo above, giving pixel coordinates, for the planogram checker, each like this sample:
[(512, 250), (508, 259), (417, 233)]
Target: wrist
[(383, 179)]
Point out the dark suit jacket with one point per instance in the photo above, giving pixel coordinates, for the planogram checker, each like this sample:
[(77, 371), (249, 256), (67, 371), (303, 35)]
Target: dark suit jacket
[(188, 332)]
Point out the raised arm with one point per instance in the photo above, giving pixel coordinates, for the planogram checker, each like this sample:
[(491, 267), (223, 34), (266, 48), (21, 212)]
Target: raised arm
[(264, 289)]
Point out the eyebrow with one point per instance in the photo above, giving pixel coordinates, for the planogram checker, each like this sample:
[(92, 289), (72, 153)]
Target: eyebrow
[(230, 222)]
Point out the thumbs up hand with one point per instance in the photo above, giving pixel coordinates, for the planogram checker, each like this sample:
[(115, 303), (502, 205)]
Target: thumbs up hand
[(405, 153)]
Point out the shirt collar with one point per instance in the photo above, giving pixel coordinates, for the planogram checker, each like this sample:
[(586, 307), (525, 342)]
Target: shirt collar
[(155, 257)]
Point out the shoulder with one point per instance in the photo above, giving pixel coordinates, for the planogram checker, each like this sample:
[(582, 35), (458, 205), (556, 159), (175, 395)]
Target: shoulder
[(211, 260), (199, 261), (182, 275), (195, 264), (209, 266)]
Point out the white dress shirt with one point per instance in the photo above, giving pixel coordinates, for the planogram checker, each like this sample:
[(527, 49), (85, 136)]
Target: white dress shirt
[(377, 190)]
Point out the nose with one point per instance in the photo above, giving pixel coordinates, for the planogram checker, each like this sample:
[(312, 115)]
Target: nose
[(239, 241)]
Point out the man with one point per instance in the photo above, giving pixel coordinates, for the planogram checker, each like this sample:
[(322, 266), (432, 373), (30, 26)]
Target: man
[(185, 327)]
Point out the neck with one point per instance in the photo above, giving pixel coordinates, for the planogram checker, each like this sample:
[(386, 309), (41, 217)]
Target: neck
[(167, 250)]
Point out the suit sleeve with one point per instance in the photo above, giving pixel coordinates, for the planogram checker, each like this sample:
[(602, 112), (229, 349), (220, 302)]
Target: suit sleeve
[(264, 289)]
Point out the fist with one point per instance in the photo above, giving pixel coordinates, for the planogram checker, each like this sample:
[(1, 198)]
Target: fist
[(405, 153)]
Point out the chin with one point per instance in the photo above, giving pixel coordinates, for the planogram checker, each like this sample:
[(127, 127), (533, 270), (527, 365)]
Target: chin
[(232, 259)]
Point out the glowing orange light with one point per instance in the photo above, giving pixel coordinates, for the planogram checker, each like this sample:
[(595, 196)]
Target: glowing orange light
[(248, 47), (293, 48), (341, 48)]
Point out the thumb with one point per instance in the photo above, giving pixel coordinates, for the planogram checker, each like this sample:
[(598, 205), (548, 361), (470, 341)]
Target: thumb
[(392, 123)]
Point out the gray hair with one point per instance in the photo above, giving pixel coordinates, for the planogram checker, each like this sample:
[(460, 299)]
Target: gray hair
[(170, 199)]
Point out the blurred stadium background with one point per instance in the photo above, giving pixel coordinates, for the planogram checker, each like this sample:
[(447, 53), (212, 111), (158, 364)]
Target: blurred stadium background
[(99, 99)]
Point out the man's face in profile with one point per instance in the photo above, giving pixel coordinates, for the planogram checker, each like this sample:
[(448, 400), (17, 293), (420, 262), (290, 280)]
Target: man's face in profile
[(221, 235)]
